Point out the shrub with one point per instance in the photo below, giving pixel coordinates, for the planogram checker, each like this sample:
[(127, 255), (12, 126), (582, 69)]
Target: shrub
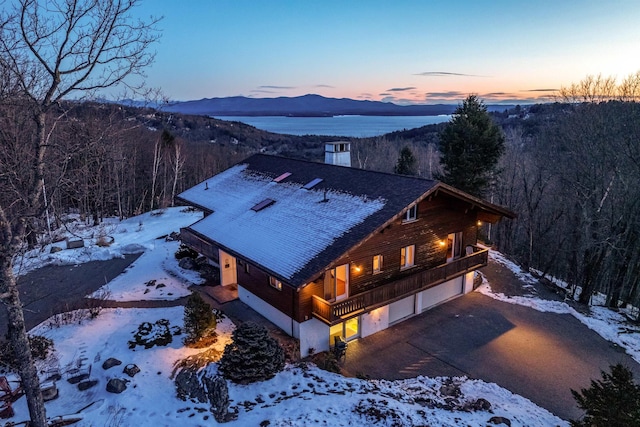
[(185, 252), (150, 334), (252, 356), (40, 349), (613, 401), (198, 319)]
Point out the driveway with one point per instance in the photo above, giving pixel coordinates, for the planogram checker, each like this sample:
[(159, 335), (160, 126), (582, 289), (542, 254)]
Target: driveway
[(540, 356)]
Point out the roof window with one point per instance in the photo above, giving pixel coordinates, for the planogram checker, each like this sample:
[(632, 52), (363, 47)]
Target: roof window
[(282, 177), (263, 204), (309, 185)]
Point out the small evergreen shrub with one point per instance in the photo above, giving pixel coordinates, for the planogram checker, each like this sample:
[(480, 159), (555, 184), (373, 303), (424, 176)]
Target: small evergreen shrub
[(185, 251), (40, 346), (252, 356), (199, 322), (613, 401)]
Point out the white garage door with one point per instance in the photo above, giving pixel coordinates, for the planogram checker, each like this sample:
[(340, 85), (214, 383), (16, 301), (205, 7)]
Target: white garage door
[(441, 293), (401, 309)]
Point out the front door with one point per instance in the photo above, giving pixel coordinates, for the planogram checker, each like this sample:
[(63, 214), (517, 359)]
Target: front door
[(336, 283), (228, 272)]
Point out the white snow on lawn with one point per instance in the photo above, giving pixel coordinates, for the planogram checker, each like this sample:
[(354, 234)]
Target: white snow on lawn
[(609, 324), (298, 396)]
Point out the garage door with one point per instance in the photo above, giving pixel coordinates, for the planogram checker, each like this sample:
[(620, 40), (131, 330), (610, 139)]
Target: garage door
[(441, 293), (400, 309)]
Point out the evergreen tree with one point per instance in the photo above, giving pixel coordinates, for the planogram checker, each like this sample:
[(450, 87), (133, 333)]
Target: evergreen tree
[(252, 356), (198, 317), (613, 401), (471, 145), (407, 164)]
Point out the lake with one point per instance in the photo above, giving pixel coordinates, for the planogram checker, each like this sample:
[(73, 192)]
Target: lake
[(353, 126)]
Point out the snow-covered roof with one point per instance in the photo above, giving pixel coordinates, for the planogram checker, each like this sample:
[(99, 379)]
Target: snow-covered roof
[(286, 234), (295, 217)]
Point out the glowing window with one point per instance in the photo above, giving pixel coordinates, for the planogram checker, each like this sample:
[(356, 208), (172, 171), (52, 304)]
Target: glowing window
[(377, 263), (275, 283), (407, 256)]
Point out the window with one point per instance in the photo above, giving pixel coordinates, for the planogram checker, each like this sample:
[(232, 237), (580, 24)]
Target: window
[(275, 283), (377, 263), (407, 256), (263, 204), (454, 246), (411, 214), (246, 267)]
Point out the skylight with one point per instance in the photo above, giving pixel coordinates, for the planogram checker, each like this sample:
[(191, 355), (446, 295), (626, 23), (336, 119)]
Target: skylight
[(282, 177), (309, 185), (263, 204)]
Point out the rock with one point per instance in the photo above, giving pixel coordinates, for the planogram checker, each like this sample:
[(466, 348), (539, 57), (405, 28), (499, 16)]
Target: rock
[(75, 243), (500, 420), (55, 249), (75, 379), (110, 363), (479, 405), (173, 236), (188, 386), (450, 389), (187, 264), (218, 395), (85, 385), (160, 285), (116, 385), (131, 370)]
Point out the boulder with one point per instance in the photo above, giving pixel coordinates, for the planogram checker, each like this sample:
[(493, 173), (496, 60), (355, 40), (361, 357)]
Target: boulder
[(55, 249), (85, 385), (478, 405), (218, 395), (116, 385), (500, 420), (110, 363), (131, 370)]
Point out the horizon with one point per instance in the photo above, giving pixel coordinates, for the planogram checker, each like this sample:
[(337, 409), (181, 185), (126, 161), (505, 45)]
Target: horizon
[(407, 52)]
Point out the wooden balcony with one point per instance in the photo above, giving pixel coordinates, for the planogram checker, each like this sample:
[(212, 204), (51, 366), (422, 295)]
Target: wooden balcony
[(336, 312), (198, 244)]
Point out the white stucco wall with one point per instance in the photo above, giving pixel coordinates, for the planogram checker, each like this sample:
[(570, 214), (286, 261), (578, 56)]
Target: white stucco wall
[(313, 334), (374, 321), (274, 315), (468, 282)]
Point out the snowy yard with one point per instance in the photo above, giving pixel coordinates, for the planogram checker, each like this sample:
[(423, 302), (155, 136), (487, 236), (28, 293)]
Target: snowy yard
[(300, 395)]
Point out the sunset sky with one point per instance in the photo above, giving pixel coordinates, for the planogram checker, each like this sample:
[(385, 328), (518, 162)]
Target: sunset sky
[(401, 51)]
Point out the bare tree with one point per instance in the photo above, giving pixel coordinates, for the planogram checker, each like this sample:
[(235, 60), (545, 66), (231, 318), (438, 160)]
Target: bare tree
[(50, 50)]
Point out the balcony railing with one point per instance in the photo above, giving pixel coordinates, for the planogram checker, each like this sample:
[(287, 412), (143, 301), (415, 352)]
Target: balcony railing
[(336, 312)]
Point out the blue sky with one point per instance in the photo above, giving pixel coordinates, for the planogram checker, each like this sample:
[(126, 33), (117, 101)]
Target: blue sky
[(401, 51)]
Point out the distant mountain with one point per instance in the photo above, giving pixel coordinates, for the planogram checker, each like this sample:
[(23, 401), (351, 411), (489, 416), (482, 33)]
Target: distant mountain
[(307, 106)]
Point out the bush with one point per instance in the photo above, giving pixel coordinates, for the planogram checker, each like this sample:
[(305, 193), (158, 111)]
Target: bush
[(198, 319), (252, 356), (185, 252), (150, 334), (40, 349), (613, 401)]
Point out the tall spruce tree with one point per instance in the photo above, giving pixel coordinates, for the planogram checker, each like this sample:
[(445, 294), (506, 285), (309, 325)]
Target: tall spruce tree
[(471, 146), (613, 401), (407, 164), (252, 356)]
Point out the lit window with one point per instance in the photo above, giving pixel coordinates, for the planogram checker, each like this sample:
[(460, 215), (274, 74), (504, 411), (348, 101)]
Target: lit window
[(411, 214), (407, 256), (377, 263), (275, 283)]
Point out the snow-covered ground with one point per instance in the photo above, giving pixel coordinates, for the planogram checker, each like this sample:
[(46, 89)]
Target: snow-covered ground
[(300, 395)]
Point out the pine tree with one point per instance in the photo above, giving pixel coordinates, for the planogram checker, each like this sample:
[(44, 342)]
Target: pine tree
[(198, 317), (252, 356), (471, 145), (613, 401), (407, 164)]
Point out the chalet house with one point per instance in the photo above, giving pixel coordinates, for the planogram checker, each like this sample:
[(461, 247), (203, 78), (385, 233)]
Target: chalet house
[(326, 250)]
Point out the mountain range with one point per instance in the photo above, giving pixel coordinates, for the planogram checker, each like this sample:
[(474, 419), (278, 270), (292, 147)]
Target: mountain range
[(307, 106)]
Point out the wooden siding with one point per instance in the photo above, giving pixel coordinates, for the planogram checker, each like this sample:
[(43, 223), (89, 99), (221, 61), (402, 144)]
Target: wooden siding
[(336, 312), (437, 218), (256, 281), (199, 244)]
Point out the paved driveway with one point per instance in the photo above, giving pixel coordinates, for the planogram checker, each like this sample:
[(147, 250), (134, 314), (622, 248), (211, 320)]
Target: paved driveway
[(540, 356)]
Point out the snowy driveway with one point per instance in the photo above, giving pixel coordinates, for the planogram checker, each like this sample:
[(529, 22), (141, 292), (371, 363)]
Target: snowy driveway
[(540, 356)]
